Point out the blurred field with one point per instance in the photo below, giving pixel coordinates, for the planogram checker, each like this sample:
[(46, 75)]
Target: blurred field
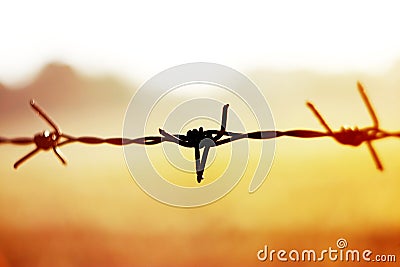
[(92, 213)]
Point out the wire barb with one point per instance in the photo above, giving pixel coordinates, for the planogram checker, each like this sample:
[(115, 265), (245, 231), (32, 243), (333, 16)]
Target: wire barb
[(45, 116), (368, 104), (200, 138)]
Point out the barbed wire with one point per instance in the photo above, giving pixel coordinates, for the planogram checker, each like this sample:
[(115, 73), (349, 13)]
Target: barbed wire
[(200, 138)]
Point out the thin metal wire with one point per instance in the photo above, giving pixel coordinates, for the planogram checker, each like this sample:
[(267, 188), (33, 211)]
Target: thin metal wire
[(198, 138)]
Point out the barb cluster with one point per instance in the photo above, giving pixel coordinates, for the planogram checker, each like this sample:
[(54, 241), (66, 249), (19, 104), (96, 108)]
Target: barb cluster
[(200, 138)]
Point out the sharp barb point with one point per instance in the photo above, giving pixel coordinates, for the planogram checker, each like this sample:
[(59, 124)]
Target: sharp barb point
[(368, 104)]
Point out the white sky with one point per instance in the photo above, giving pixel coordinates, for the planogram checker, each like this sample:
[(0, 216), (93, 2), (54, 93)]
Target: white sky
[(139, 39)]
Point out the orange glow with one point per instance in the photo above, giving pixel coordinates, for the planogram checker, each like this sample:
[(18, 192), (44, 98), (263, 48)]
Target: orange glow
[(91, 213)]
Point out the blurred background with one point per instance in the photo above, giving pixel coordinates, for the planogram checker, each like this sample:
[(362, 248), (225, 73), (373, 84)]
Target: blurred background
[(83, 62)]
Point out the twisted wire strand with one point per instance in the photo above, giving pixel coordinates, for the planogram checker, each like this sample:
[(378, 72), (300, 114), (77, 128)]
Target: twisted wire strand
[(353, 137)]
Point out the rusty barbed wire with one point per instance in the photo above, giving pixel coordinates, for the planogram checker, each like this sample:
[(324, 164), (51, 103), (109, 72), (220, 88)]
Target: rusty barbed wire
[(197, 139)]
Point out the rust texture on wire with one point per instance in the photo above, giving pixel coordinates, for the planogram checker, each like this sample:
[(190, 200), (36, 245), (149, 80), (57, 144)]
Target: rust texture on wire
[(199, 138)]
